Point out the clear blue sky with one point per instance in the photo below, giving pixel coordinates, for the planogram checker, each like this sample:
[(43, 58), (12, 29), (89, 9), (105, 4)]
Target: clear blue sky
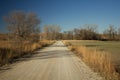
[(66, 13)]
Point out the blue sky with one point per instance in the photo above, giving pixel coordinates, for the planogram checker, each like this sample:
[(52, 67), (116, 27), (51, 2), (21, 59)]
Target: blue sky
[(68, 14)]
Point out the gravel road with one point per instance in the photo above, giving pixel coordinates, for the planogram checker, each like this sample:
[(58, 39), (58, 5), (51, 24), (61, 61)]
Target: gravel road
[(55, 62)]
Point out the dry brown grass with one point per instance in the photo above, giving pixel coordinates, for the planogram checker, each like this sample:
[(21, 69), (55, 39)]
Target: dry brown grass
[(12, 49), (100, 61)]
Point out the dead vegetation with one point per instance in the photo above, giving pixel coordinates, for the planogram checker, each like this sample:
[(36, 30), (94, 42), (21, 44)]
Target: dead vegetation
[(10, 50), (99, 61)]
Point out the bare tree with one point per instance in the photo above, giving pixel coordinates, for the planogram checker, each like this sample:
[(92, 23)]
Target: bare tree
[(110, 32), (76, 33), (67, 35), (47, 32), (23, 25), (90, 27), (118, 32), (88, 32), (52, 32)]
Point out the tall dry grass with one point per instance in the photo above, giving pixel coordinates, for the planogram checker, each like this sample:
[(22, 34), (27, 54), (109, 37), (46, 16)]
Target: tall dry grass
[(100, 61), (10, 49)]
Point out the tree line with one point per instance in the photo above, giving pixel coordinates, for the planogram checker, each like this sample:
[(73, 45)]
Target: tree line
[(23, 26), (87, 32)]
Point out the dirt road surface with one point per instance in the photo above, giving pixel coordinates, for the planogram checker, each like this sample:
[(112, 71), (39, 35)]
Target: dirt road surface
[(55, 62)]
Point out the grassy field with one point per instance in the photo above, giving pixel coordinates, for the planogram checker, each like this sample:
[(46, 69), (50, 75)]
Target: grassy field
[(113, 47), (102, 56)]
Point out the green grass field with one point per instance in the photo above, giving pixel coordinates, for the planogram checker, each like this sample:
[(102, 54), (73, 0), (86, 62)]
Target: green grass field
[(113, 47)]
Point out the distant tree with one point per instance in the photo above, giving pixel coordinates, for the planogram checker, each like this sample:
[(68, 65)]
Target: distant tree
[(76, 33), (67, 35), (23, 26), (110, 33), (88, 32), (91, 27), (118, 32), (64, 35), (47, 32), (52, 32), (70, 35)]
